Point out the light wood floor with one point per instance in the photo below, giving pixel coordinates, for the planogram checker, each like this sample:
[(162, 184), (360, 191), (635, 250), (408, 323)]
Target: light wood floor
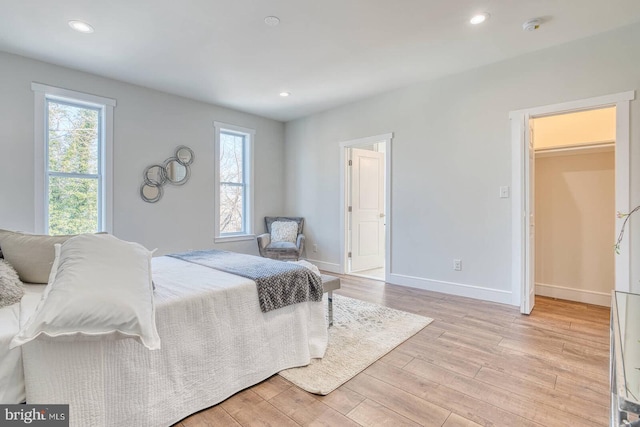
[(478, 363), (374, 273)]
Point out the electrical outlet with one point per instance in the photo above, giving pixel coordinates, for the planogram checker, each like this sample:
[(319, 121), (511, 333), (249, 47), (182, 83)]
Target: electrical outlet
[(504, 192), (315, 248), (457, 265)]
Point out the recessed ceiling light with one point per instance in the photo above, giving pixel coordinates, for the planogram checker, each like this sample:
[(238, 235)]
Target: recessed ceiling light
[(284, 94), (479, 18), (272, 21), (81, 26)]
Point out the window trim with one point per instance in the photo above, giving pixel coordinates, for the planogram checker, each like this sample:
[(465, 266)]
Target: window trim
[(249, 135), (43, 92)]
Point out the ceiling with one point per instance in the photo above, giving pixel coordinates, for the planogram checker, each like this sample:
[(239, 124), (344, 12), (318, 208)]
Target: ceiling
[(326, 53)]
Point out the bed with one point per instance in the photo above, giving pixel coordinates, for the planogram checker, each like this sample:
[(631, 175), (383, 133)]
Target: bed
[(215, 339)]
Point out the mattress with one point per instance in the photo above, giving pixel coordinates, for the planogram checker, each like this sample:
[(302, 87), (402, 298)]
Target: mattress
[(215, 342), (12, 388)]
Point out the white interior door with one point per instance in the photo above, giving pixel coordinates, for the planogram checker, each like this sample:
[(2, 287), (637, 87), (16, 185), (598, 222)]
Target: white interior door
[(530, 227), (367, 210)]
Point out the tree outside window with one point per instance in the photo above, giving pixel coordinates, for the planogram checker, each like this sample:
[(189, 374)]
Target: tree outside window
[(73, 168), (232, 185), (234, 182)]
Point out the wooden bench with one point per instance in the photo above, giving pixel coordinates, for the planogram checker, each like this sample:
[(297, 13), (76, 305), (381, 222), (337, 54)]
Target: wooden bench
[(330, 284)]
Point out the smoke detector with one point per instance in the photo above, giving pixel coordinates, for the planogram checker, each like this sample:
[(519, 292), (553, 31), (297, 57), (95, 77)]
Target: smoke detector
[(531, 25), (272, 21)]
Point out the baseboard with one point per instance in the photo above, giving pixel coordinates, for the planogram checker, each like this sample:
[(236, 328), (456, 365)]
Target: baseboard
[(572, 294), (326, 266), (460, 289)]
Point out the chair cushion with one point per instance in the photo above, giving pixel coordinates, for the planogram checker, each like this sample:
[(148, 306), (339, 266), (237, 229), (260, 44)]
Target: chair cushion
[(280, 246), (268, 220), (284, 231)]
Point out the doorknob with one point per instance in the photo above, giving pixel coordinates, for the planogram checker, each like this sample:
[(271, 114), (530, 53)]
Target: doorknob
[(381, 215)]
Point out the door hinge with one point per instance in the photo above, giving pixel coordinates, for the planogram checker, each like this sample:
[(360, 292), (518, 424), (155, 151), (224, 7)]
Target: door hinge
[(349, 209), (349, 255), (350, 162)]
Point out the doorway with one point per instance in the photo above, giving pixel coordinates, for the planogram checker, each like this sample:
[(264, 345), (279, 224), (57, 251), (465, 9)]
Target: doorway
[(523, 179), (365, 207), (574, 191)]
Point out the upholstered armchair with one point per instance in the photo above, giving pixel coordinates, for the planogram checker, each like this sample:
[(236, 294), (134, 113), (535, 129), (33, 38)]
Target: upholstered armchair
[(284, 239)]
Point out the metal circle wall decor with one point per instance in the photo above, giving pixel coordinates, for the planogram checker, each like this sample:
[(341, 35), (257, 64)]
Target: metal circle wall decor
[(155, 175), (175, 170), (184, 155), (177, 173), (151, 193)]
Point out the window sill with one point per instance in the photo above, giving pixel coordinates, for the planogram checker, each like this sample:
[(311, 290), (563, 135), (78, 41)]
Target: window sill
[(235, 238)]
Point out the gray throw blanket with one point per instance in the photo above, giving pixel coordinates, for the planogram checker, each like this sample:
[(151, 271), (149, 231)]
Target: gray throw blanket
[(279, 283)]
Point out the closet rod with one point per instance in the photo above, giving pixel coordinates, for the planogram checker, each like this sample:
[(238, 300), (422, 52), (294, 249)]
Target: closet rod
[(576, 147)]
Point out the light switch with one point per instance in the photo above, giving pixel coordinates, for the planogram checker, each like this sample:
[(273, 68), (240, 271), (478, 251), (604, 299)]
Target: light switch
[(504, 192)]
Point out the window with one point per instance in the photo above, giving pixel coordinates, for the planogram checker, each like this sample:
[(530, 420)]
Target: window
[(73, 161), (233, 182)]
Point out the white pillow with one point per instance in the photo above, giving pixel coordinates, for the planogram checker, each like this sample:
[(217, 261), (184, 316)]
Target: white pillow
[(30, 254), (284, 231), (99, 288)]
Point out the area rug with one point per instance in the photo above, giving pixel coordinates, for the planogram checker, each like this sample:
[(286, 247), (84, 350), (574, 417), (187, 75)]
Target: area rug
[(361, 334)]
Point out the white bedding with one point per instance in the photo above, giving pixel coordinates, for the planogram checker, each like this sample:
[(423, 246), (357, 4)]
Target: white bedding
[(215, 342), (11, 373)]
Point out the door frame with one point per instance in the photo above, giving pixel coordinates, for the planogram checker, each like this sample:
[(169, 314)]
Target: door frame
[(344, 220), (519, 181)]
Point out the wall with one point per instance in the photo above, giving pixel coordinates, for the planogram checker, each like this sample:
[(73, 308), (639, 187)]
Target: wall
[(148, 125), (585, 127), (575, 222), (450, 154)]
